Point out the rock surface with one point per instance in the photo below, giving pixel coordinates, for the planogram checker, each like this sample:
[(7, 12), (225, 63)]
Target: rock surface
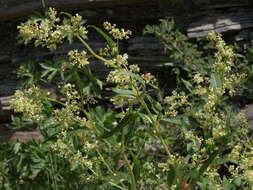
[(15, 9), (240, 19)]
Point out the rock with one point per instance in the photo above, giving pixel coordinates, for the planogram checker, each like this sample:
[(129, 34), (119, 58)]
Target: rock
[(14, 9), (19, 136), (220, 23)]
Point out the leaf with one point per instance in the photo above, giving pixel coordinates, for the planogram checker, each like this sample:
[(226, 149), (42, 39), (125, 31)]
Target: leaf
[(52, 75), (215, 81), (123, 123), (66, 14), (145, 117), (175, 120), (108, 39), (79, 83), (17, 147), (171, 176), (187, 84), (208, 162), (120, 92), (49, 71), (131, 129), (137, 166)]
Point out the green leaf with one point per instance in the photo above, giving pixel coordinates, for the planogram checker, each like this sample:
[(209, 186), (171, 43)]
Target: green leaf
[(187, 84), (137, 166), (171, 176), (125, 93), (169, 64), (131, 129), (129, 118), (175, 120), (52, 75), (238, 181), (79, 83), (209, 161), (215, 81), (108, 39), (49, 71), (17, 147), (66, 14)]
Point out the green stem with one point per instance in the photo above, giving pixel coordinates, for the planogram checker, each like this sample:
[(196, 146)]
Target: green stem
[(56, 101), (130, 171), (92, 52), (105, 163), (154, 122), (143, 103), (113, 184)]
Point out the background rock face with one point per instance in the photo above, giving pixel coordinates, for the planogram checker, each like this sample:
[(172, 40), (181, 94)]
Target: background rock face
[(197, 17)]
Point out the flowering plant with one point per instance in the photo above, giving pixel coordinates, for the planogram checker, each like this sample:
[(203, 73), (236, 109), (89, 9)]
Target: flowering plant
[(145, 139)]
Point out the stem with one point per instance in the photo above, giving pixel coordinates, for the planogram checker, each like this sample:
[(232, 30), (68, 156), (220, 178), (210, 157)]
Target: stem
[(92, 52), (154, 122), (113, 184), (43, 4), (56, 101), (133, 183), (55, 186), (143, 103), (106, 164)]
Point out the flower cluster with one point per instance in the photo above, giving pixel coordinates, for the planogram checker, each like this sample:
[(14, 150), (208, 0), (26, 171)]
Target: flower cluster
[(78, 58), (117, 33), (30, 103), (75, 157), (49, 32), (198, 78), (224, 63), (249, 178), (68, 119), (174, 103), (73, 27), (213, 88), (121, 77), (109, 50), (69, 115)]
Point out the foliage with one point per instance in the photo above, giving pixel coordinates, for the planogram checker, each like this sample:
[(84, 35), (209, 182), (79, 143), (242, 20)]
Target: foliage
[(189, 139), (182, 53), (33, 166)]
